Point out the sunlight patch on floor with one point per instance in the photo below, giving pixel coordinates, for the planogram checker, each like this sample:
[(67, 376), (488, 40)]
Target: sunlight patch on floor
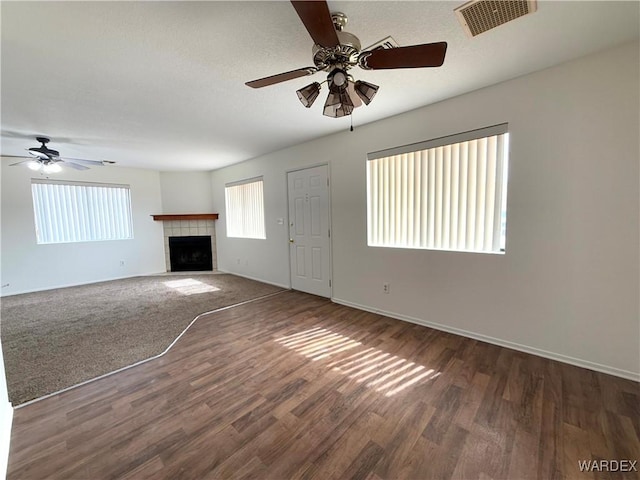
[(386, 373), (190, 286), (317, 343)]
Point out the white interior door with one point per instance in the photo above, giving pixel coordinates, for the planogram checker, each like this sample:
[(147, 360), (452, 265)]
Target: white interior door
[(309, 230)]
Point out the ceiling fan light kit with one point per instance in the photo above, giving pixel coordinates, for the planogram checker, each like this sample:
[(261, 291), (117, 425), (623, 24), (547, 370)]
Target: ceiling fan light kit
[(308, 94), (336, 52), (33, 165), (340, 101), (37, 166), (366, 91), (51, 168), (338, 104)]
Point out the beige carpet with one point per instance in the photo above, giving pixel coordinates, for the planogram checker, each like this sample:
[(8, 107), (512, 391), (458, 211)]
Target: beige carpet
[(58, 338)]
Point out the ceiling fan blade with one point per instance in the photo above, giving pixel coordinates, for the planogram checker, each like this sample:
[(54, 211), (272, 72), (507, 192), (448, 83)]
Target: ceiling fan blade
[(18, 163), (413, 56), (316, 18), (82, 160), (75, 166), (37, 155), (281, 77)]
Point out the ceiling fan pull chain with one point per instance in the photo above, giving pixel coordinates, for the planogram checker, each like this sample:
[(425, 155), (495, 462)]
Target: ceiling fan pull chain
[(351, 116)]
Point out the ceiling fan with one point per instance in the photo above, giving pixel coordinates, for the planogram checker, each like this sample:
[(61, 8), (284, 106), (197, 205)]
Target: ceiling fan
[(336, 52), (49, 160)]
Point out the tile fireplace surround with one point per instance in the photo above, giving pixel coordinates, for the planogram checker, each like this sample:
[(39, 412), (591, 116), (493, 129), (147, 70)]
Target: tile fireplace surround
[(189, 228)]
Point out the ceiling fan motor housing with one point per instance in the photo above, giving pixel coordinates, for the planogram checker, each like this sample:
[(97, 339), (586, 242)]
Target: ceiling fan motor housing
[(44, 153), (344, 54)]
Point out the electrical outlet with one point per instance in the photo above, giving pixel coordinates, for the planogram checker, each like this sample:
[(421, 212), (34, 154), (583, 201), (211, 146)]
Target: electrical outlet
[(122, 263), (386, 288), (238, 261)]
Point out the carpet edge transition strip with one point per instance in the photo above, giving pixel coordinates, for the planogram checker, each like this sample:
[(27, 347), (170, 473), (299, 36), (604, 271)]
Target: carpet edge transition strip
[(140, 362)]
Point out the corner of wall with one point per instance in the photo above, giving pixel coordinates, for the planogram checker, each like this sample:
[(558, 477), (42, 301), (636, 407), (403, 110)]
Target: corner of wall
[(6, 421)]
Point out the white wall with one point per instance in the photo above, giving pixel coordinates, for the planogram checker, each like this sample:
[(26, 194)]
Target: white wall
[(568, 285), (6, 410), (186, 192), (6, 419), (26, 266)]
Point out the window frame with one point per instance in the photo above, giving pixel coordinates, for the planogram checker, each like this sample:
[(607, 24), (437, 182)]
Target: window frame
[(498, 244), (262, 235), (80, 221)]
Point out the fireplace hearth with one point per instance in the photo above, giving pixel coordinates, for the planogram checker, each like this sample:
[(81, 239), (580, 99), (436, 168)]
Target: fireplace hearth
[(188, 254)]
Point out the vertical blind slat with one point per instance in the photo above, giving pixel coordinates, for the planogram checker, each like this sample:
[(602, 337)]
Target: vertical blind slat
[(439, 195), (446, 196), (408, 216), (424, 203), (432, 199), (490, 193), (462, 203), (481, 177), (417, 190), (56, 217), (381, 234), (471, 195), (387, 202), (394, 190), (498, 204), (455, 194)]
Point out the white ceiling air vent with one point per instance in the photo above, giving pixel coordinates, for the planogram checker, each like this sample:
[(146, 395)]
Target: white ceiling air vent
[(478, 16), (386, 43)]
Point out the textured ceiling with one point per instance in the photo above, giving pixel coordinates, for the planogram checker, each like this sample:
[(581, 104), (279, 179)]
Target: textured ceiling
[(161, 84)]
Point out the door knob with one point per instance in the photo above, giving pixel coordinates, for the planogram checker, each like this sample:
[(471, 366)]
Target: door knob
[(291, 240)]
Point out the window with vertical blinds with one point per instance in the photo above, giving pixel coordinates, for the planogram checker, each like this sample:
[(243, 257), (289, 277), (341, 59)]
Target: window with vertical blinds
[(443, 194), (81, 212), (245, 209)]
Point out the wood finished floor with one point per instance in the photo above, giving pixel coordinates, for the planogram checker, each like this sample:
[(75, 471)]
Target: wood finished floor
[(295, 386)]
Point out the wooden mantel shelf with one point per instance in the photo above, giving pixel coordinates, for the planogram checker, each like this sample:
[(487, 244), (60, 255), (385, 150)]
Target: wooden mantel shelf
[(186, 216)]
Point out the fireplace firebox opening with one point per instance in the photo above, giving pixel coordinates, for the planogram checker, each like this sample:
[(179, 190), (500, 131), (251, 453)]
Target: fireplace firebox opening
[(189, 254)]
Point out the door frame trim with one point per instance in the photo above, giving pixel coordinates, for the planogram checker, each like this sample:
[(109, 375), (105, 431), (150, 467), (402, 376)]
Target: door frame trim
[(286, 181)]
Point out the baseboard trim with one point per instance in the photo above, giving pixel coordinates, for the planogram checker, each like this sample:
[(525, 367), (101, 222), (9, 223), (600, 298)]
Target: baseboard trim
[(67, 285), (497, 341), (287, 287), (6, 421)]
